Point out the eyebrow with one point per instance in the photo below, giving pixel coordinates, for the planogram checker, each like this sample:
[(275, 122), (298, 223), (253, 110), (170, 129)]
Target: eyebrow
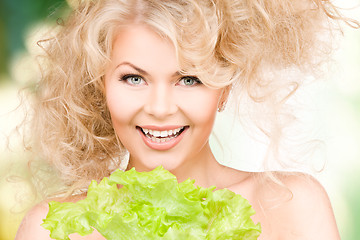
[(142, 71)]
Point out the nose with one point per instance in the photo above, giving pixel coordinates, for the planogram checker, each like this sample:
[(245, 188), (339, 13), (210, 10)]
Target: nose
[(160, 102)]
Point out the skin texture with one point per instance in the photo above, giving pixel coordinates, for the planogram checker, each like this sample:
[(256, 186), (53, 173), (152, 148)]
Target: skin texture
[(153, 93)]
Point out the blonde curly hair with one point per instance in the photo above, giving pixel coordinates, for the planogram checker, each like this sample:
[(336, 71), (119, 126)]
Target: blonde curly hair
[(224, 42)]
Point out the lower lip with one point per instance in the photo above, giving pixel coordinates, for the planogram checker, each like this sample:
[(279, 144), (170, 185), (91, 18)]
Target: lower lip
[(162, 146)]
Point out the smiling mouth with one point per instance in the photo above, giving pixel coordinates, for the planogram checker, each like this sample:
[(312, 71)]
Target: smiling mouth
[(157, 136)]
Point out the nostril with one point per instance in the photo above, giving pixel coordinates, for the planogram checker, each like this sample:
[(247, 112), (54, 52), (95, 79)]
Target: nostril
[(160, 104)]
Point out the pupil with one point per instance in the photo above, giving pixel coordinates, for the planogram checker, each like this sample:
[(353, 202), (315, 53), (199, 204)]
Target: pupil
[(135, 80), (189, 81)]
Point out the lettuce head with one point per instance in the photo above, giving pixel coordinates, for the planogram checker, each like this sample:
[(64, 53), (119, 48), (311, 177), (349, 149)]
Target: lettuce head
[(153, 205)]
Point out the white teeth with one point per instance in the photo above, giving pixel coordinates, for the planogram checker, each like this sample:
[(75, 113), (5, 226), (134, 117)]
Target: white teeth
[(155, 135)]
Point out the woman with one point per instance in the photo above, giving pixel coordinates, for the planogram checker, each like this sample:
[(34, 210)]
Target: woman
[(148, 78)]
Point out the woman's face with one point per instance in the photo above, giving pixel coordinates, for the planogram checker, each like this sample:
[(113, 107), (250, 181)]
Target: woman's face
[(161, 116)]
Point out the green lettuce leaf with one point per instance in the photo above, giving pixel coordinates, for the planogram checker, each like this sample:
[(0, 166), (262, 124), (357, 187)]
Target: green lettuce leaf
[(153, 205)]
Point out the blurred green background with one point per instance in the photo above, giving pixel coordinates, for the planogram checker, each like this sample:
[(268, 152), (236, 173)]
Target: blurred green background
[(336, 100)]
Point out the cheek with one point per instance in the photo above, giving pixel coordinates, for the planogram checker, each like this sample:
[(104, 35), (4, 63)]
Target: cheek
[(203, 104), (201, 110), (121, 105)]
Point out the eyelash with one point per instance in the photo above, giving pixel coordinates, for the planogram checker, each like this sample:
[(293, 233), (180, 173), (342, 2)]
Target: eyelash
[(195, 79), (126, 78)]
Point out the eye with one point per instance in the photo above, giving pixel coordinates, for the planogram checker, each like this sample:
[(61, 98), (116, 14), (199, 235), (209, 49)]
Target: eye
[(189, 81), (133, 79)]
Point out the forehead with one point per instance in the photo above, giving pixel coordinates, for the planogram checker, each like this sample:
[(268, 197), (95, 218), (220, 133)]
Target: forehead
[(141, 45)]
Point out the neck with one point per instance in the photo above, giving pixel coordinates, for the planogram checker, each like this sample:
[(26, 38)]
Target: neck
[(203, 168)]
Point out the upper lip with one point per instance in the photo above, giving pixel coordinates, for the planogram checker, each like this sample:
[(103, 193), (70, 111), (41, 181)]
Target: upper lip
[(162, 128)]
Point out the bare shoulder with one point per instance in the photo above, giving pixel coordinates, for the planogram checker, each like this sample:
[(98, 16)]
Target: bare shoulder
[(304, 211), (30, 227)]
